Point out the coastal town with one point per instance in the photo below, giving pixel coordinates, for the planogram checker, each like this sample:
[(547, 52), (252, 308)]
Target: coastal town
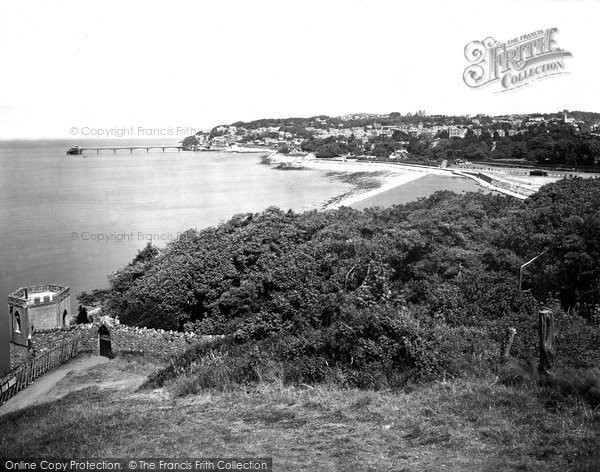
[(417, 136), (300, 236)]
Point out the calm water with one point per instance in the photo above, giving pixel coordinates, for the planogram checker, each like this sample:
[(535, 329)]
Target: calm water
[(73, 220)]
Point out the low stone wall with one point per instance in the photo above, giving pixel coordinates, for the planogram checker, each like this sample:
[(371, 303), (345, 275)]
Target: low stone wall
[(146, 341), (18, 355), (159, 343), (42, 341)]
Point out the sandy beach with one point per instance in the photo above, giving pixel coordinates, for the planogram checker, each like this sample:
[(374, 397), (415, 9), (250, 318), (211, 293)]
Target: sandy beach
[(387, 176), (375, 178), (387, 182)]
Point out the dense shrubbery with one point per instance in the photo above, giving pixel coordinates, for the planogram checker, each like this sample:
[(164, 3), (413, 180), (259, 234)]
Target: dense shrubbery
[(374, 298)]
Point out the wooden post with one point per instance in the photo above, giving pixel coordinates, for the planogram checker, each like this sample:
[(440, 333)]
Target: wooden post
[(547, 347), (506, 344)]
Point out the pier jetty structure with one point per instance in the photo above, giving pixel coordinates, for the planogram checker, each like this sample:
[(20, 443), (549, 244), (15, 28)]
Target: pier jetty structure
[(78, 150)]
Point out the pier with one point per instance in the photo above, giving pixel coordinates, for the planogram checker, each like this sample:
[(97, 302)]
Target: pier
[(76, 150)]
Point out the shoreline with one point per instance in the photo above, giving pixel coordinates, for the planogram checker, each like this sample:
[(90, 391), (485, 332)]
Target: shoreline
[(386, 176), (358, 194), (393, 175)]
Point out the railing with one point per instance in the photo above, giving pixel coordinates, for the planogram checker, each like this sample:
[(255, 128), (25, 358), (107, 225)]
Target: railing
[(34, 367)]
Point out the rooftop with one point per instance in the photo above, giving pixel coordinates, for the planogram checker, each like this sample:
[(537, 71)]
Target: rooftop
[(39, 292)]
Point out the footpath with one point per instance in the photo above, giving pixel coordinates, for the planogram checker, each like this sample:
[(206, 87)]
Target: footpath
[(41, 390)]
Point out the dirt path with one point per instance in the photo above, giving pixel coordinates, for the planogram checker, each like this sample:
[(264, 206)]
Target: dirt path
[(48, 388)]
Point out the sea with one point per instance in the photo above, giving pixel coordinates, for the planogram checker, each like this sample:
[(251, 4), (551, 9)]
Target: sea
[(74, 220)]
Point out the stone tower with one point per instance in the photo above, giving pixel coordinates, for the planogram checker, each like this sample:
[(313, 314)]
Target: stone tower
[(40, 306)]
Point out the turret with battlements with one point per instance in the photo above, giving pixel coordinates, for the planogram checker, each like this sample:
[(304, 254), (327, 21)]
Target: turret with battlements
[(37, 307)]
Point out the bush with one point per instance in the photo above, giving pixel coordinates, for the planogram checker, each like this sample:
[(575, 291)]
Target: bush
[(209, 372), (373, 299), (577, 342), (453, 351), (217, 371), (375, 349), (82, 315), (183, 363)]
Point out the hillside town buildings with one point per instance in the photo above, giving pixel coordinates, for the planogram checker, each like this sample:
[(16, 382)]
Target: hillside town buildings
[(366, 127)]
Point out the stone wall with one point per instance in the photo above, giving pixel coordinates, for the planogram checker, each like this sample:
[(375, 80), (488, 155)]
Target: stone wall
[(42, 316), (18, 354), (159, 343), (146, 341)]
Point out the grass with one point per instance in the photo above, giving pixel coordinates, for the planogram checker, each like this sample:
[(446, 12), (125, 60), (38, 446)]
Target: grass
[(458, 425)]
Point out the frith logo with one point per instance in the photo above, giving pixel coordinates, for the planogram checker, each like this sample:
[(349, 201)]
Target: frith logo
[(514, 63)]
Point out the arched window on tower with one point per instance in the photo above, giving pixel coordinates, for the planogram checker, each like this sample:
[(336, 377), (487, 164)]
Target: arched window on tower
[(17, 322)]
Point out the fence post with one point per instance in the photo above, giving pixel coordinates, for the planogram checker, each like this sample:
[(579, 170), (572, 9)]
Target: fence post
[(546, 335), (22, 377)]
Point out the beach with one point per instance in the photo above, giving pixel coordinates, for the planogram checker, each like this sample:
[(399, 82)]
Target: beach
[(387, 181), (419, 188), (379, 183), (373, 178)]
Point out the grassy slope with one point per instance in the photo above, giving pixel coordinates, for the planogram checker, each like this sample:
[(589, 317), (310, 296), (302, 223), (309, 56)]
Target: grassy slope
[(459, 425)]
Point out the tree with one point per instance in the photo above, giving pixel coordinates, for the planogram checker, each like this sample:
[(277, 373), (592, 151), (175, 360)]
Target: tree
[(329, 150), (189, 141), (478, 151), (146, 254), (82, 315), (383, 148)]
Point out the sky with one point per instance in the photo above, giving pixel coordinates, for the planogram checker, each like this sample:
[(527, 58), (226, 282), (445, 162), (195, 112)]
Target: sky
[(81, 68)]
